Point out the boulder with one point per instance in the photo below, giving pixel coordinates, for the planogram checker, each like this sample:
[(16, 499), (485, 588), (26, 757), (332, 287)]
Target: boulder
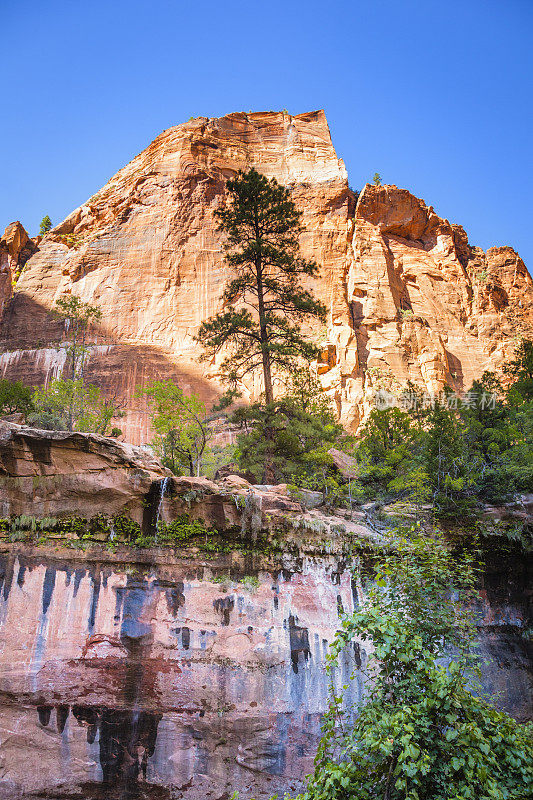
[(61, 473)]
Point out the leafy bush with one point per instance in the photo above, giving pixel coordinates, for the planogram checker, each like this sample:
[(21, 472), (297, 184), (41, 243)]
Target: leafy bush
[(421, 733), (72, 405), (15, 398), (180, 424)]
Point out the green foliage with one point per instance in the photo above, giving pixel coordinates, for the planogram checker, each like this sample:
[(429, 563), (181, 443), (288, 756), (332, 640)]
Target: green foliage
[(182, 530), (180, 423), (520, 371), (72, 405), (264, 304), (455, 455), (15, 398), (450, 467), (45, 226), (420, 733), (250, 583), (376, 180), (77, 316), (288, 439)]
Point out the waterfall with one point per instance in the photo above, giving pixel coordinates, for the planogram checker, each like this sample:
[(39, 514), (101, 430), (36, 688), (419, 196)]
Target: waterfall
[(164, 483)]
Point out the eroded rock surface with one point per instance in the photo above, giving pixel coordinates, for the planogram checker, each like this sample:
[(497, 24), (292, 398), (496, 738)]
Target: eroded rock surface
[(58, 474), (163, 676), (197, 669), (408, 297), (196, 675), (16, 247)]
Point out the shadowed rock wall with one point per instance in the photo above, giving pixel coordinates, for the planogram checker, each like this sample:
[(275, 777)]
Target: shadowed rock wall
[(162, 677)]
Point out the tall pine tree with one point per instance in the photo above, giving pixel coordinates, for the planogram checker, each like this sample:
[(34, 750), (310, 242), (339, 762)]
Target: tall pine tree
[(264, 304)]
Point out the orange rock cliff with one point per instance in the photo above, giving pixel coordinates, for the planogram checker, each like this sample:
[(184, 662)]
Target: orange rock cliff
[(408, 297)]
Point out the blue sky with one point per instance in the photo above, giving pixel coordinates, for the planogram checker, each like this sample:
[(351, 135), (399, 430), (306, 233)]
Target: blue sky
[(435, 96)]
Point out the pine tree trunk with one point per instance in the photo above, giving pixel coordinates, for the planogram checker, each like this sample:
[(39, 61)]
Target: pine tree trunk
[(268, 474), (267, 372)]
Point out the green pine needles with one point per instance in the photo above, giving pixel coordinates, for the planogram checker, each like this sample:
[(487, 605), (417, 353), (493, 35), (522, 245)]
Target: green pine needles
[(45, 226), (264, 304)]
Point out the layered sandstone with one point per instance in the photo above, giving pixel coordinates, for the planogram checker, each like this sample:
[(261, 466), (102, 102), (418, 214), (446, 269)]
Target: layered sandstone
[(407, 295), (16, 248), (187, 671), (419, 303), (58, 474)]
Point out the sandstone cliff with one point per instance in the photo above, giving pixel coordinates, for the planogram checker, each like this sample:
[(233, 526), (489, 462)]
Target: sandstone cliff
[(408, 297), (192, 670), (16, 248)]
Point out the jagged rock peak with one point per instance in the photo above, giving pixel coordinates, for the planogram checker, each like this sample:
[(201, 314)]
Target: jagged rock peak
[(408, 297)]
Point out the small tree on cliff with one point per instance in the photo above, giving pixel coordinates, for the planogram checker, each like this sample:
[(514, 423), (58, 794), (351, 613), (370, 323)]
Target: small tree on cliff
[(376, 179), (264, 303), (77, 316), (180, 425), (46, 225)]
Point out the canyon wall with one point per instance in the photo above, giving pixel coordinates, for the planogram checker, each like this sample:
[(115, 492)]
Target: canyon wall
[(159, 680), (197, 669), (408, 297), (154, 675)]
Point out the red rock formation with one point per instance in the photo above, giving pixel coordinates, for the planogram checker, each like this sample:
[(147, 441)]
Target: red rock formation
[(16, 247), (58, 474), (408, 296), (146, 672)]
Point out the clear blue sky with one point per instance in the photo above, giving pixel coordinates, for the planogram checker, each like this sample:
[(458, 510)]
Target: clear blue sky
[(436, 96)]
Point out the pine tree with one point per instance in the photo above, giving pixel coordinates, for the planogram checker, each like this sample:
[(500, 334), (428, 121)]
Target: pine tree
[(264, 303), (46, 225), (376, 179)]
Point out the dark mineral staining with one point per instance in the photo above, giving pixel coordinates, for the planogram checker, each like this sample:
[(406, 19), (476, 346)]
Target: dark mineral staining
[(127, 740), (299, 643), (94, 603), (224, 606), (175, 598), (48, 588), (61, 717), (44, 713)]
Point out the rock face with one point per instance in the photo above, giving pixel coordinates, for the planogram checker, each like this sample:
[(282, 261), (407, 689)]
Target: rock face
[(421, 303), (408, 297), (181, 671), (16, 247), (163, 681), (58, 474), (191, 677)]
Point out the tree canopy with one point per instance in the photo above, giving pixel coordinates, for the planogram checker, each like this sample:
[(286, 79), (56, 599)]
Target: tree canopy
[(180, 425), (45, 226), (264, 303)]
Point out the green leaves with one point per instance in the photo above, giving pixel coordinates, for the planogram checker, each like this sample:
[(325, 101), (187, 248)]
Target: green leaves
[(420, 734), (15, 397), (264, 303), (179, 421), (72, 405)]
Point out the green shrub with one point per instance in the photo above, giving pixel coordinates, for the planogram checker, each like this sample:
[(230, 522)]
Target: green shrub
[(420, 733)]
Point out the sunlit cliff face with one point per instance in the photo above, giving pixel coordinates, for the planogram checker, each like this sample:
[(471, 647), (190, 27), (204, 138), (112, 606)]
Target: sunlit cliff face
[(408, 297)]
